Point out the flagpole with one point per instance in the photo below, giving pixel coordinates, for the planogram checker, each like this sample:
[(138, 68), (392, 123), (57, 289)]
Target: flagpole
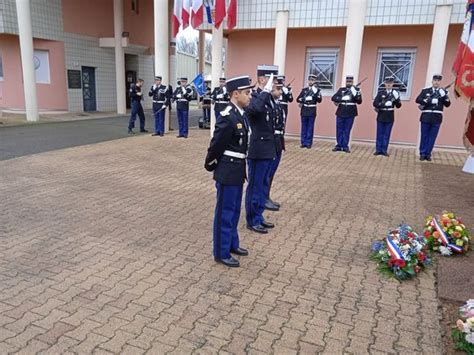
[(217, 41)]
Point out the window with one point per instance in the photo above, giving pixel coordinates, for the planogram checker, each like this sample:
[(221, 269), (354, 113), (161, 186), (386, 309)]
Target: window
[(1, 68), (398, 63), (135, 6), (322, 62), (41, 62)]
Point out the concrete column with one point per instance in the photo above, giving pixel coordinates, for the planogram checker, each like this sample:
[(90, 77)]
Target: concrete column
[(173, 76), (281, 32), (354, 36), (438, 47), (202, 54), (217, 42), (119, 57), (161, 29), (438, 41), (26, 47)]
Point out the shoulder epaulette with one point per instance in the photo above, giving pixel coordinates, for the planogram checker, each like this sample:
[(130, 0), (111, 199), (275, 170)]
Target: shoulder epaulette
[(226, 111)]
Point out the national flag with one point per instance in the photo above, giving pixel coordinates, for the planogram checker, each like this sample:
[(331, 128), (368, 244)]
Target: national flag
[(200, 84), (469, 130), (177, 16), (463, 43), (196, 13), (464, 63), (232, 14), (219, 15), (186, 14), (207, 5)]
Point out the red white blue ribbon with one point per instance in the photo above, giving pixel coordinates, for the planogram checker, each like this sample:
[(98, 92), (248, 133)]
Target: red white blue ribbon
[(394, 250), (444, 237)]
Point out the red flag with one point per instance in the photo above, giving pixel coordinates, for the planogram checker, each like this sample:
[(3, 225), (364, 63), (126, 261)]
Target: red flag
[(469, 130), (219, 12), (463, 43), (232, 14), (177, 13), (197, 13), (186, 12), (465, 66)]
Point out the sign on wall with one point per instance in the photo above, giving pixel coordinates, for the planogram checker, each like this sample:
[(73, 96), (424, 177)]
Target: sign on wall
[(41, 63), (74, 79)]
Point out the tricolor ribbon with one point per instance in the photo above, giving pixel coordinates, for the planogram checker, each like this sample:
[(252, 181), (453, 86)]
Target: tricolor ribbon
[(444, 237), (394, 250)]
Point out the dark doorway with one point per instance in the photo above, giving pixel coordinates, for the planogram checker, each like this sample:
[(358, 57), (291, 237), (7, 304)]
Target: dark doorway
[(130, 78), (88, 89)]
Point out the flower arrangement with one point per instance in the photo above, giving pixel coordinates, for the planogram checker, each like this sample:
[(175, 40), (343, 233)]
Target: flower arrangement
[(463, 333), (402, 254), (447, 234)]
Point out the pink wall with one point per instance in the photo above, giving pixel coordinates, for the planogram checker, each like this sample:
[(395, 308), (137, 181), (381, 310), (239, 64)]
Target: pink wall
[(51, 96), (140, 26), (245, 54), (93, 18), (100, 19)]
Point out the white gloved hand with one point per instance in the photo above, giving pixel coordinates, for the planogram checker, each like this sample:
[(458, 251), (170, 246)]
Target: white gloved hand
[(353, 91), (269, 85), (178, 96), (154, 86), (346, 98), (220, 96), (183, 90), (434, 101), (139, 93), (285, 90), (308, 98), (224, 90), (388, 103), (396, 94), (314, 89), (442, 92)]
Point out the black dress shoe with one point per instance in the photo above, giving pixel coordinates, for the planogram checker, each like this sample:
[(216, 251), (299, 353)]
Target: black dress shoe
[(258, 228), (385, 154), (308, 146), (377, 153), (130, 131), (270, 206), (268, 224), (156, 134), (144, 130), (180, 136), (346, 150), (302, 146), (336, 149), (428, 157), (275, 203), (230, 262), (422, 157), (240, 251)]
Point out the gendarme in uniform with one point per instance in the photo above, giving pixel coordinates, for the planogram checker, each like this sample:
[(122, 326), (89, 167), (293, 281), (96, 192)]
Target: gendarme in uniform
[(226, 156)]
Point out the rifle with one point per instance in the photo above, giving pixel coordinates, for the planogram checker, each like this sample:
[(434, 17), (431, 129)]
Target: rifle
[(435, 95), (357, 85), (360, 82), (389, 97), (291, 82)]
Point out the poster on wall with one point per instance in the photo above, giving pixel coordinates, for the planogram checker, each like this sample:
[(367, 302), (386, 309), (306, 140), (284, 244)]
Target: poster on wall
[(41, 62)]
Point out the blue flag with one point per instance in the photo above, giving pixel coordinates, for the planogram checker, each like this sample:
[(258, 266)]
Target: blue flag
[(208, 12), (199, 84)]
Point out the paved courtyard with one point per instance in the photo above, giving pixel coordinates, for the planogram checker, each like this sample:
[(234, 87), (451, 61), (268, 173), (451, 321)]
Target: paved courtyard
[(106, 248)]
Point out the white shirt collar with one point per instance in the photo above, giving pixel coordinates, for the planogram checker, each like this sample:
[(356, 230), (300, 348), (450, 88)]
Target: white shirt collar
[(239, 109)]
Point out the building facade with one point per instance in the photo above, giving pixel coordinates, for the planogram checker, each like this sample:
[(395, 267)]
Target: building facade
[(74, 56), (400, 38)]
